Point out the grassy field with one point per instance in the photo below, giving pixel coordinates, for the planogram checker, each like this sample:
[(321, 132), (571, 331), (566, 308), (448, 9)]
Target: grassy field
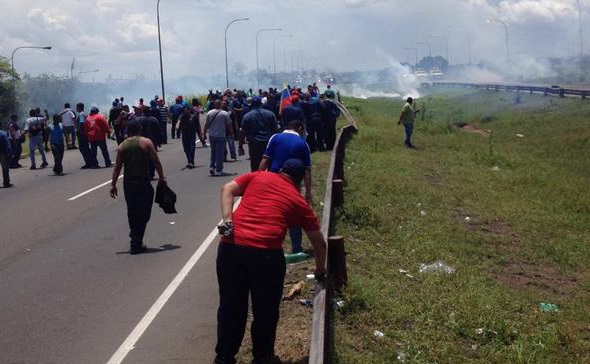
[(506, 205)]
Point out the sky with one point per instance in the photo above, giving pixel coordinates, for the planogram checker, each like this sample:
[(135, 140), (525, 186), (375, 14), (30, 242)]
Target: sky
[(120, 37)]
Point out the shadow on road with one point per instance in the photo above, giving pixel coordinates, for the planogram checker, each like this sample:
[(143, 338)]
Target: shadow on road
[(161, 249)]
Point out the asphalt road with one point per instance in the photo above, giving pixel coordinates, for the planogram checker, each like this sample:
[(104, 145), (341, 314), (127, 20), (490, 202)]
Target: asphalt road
[(71, 293)]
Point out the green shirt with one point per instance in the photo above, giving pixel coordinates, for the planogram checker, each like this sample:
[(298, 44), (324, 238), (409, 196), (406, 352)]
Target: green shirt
[(408, 114)]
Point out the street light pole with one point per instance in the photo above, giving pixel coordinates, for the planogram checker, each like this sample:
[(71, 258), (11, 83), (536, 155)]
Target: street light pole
[(274, 51), (160, 48), (580, 22), (226, 67), (415, 54), (257, 67), (12, 64), (506, 32)]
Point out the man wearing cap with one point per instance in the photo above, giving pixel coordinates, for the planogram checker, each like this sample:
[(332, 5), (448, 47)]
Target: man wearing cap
[(250, 259), (135, 153), (258, 125), (97, 129)]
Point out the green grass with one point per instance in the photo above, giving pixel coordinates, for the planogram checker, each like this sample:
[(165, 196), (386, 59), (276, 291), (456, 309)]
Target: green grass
[(526, 242)]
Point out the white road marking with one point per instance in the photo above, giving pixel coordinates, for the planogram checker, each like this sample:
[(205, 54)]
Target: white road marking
[(150, 316), (90, 190)]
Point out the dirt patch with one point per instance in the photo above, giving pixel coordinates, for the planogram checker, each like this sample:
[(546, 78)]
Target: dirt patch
[(472, 129), (294, 328), (489, 226), (540, 279)]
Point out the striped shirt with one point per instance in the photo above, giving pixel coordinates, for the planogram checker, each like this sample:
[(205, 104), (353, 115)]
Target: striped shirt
[(163, 113)]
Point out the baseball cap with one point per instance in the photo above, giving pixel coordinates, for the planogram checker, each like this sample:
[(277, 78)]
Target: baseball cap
[(256, 101), (295, 168)]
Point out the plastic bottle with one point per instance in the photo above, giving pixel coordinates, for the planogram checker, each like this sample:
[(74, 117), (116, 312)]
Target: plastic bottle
[(295, 258)]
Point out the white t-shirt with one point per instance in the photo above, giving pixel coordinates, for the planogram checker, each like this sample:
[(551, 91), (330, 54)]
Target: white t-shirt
[(33, 125), (67, 118)]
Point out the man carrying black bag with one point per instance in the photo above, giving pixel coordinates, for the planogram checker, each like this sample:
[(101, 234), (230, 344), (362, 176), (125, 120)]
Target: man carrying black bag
[(135, 153)]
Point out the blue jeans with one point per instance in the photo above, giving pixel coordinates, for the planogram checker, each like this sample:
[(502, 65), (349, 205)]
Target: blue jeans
[(296, 235), (232, 147), (409, 130), (36, 141), (217, 153), (70, 134)]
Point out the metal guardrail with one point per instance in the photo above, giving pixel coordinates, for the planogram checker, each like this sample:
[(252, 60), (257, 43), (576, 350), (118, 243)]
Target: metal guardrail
[(553, 90), (322, 338)]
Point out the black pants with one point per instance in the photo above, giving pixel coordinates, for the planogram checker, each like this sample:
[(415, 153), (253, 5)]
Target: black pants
[(5, 164), (17, 150), (58, 154), (330, 133), (315, 135), (102, 144), (242, 271), (256, 150), (188, 144), (84, 148), (139, 195), (174, 132)]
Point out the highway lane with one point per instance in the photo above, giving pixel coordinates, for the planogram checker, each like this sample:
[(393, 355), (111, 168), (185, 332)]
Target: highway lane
[(70, 293)]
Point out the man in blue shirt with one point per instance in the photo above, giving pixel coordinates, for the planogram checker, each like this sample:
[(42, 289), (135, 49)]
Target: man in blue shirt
[(258, 125), (294, 112), (175, 112), (5, 156), (281, 147), (56, 139)]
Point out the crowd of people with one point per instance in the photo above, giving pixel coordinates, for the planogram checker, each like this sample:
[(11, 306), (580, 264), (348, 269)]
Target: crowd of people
[(232, 116)]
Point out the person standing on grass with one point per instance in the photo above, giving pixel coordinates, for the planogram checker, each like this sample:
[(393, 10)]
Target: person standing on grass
[(218, 125), (97, 130), (5, 156), (67, 121), (282, 147), (258, 125), (250, 259), (16, 139), (34, 127), (135, 154), (406, 118), (56, 140)]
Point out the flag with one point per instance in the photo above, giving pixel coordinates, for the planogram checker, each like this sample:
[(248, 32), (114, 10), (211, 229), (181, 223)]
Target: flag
[(285, 100)]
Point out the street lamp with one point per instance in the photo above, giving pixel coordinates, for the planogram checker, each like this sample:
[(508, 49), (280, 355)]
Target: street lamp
[(580, 22), (505, 30), (446, 45), (160, 48), (257, 34), (429, 47), (226, 69), (274, 53), (12, 63), (415, 54)]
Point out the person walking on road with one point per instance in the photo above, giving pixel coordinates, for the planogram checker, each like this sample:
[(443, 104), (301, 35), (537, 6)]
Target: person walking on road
[(16, 139), (5, 156), (188, 126), (250, 259), (97, 130), (218, 125), (35, 127), (82, 138), (406, 118), (56, 140), (67, 121), (134, 155), (282, 147), (258, 125)]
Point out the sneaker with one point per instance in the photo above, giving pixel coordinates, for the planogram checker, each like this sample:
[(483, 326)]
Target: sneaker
[(212, 172), (191, 165), (8, 185), (32, 167), (44, 164), (109, 165), (85, 167), (141, 249), (222, 174)]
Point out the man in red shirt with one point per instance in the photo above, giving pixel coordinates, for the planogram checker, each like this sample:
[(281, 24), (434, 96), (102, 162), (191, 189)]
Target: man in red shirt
[(97, 129), (250, 258)]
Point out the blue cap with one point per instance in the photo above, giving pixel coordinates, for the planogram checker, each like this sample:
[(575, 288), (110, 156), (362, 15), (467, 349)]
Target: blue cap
[(295, 168), (256, 101)]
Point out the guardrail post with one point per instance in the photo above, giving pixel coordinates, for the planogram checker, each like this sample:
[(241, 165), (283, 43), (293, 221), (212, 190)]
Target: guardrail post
[(337, 258), (561, 92), (584, 93), (338, 192)]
